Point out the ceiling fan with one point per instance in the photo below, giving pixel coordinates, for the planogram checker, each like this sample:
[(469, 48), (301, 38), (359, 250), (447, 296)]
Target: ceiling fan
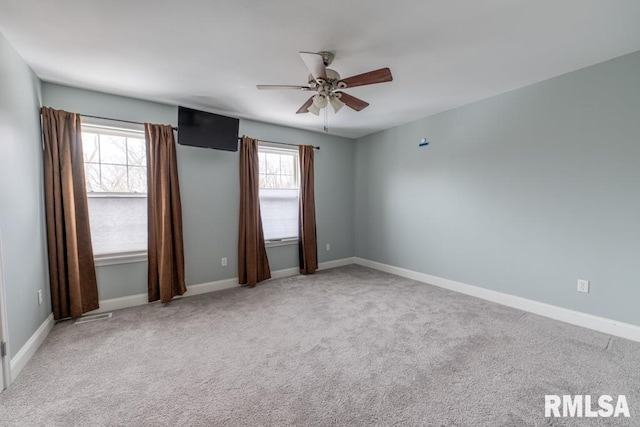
[(328, 84)]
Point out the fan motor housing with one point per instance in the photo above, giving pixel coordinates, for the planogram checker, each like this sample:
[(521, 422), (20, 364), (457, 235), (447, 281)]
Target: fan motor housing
[(327, 57), (332, 79)]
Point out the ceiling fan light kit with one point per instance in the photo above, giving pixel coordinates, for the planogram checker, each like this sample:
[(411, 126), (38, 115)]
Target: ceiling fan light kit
[(328, 84), (336, 103), (313, 109), (320, 100)]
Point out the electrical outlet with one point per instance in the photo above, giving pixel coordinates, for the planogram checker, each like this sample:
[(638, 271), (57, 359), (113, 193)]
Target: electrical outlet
[(224, 262), (583, 285), (40, 297), (328, 246)]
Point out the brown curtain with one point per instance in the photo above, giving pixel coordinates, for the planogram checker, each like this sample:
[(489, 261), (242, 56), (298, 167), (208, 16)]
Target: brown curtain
[(253, 265), (166, 252), (307, 244), (74, 289)]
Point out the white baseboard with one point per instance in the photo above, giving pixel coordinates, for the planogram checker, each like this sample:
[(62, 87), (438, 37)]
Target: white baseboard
[(336, 263), (589, 321), (112, 304), (19, 361), (285, 272), (107, 305), (203, 288)]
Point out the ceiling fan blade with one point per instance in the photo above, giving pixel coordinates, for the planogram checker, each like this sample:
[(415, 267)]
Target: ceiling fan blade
[(353, 102), (277, 87), (378, 76), (315, 64), (305, 106)]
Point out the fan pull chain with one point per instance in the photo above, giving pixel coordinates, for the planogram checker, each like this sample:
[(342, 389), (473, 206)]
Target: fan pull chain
[(326, 120)]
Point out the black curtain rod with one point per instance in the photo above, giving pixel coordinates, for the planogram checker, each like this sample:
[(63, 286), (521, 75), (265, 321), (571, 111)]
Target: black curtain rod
[(116, 120), (176, 129), (119, 120), (282, 143)]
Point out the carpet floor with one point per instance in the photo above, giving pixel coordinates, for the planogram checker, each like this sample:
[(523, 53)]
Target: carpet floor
[(345, 347)]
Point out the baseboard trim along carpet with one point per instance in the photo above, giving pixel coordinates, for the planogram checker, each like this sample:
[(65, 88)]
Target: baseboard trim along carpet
[(203, 288), (19, 361), (589, 321)]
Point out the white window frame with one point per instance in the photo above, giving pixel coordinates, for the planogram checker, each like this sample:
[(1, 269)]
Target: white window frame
[(116, 128), (265, 147)]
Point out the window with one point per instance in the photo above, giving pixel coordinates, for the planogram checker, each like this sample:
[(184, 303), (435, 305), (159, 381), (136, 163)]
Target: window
[(279, 187), (115, 163)]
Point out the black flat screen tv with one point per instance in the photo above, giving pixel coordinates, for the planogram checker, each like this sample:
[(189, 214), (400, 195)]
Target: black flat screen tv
[(207, 130)]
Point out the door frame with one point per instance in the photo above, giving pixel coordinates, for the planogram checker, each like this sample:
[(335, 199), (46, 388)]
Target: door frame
[(5, 368)]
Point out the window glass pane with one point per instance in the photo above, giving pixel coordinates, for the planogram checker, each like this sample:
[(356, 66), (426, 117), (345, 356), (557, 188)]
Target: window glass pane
[(114, 178), (271, 181), (90, 147), (113, 149), (286, 163), (273, 163), (92, 177), (136, 152), (118, 224), (286, 181), (261, 160), (137, 179)]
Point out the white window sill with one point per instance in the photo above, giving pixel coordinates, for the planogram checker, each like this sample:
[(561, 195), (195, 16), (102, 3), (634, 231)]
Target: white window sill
[(283, 242), (104, 195), (119, 258)]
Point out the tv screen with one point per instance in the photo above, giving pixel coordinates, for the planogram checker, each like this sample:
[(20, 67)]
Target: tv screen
[(207, 130)]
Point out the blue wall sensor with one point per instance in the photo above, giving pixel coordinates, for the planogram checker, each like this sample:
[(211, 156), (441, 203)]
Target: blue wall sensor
[(423, 142)]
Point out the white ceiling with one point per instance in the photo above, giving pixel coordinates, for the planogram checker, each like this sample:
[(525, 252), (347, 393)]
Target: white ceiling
[(211, 54)]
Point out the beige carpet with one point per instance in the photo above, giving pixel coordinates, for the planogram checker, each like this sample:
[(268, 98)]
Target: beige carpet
[(345, 347)]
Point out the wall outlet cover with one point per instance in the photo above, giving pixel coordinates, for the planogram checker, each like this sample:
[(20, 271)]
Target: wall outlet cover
[(583, 285)]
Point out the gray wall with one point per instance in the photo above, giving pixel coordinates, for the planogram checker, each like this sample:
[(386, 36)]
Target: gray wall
[(522, 193), (21, 199), (210, 193)]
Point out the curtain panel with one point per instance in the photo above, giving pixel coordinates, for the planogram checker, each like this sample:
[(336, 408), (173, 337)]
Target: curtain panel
[(165, 244), (307, 243), (74, 289), (253, 264)]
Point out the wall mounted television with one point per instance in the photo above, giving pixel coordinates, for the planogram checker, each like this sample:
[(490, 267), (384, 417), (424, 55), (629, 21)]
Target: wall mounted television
[(207, 130)]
